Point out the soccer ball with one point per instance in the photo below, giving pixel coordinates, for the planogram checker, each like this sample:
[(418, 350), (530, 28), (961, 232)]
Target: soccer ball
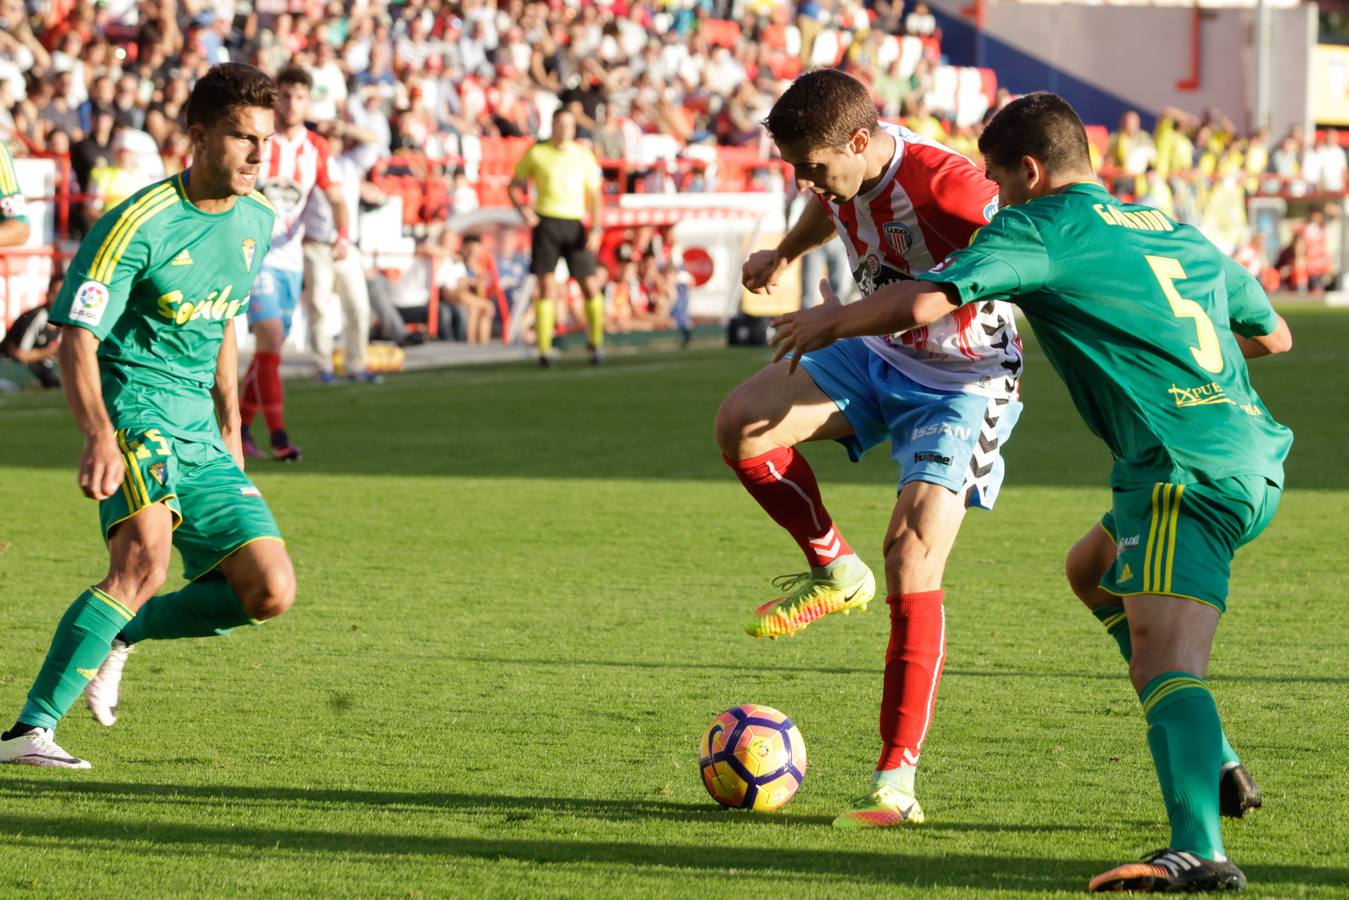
[(752, 757)]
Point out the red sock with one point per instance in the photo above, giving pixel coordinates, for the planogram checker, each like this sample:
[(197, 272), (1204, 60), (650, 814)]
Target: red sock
[(782, 482), (913, 663), (269, 386), (250, 398)]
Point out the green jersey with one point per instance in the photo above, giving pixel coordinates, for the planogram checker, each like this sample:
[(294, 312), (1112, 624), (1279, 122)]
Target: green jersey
[(158, 281), (1137, 315)]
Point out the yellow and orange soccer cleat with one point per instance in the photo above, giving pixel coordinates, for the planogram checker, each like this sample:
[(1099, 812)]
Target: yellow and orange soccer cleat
[(846, 585), (1170, 871), (884, 807)]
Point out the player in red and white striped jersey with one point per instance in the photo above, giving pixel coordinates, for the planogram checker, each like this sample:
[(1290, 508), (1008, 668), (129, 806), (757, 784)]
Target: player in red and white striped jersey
[(945, 397), (294, 164)]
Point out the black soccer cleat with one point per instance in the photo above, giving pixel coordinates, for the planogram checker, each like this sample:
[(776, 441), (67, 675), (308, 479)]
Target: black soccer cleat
[(1238, 792), (1170, 872)]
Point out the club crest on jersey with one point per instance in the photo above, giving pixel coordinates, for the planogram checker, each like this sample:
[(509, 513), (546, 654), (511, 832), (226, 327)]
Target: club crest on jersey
[(249, 248), (157, 472), (898, 235)]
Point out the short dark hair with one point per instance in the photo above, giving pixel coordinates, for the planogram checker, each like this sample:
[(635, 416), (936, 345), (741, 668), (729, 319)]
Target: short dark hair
[(1042, 125), (296, 75), (822, 108), (225, 87)]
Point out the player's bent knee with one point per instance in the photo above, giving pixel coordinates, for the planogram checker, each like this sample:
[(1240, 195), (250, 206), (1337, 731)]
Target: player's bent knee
[(911, 564), (270, 597), (731, 424)]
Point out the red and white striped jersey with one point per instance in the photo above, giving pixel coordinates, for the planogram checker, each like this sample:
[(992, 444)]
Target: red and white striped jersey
[(929, 203), (291, 169)]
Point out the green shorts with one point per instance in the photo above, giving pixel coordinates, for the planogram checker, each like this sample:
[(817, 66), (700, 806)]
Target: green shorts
[(216, 509), (1179, 539)]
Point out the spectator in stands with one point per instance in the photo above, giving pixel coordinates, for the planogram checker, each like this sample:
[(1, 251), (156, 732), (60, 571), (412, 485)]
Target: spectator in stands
[(121, 177), (100, 97), (608, 140), (95, 150), (1131, 151), (33, 342), (169, 113), (126, 100), (1331, 162), (920, 22), (1285, 161), (1317, 258)]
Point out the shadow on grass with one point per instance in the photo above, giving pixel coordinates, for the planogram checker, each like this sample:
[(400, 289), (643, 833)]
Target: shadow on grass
[(976, 872), (874, 670), (512, 808)]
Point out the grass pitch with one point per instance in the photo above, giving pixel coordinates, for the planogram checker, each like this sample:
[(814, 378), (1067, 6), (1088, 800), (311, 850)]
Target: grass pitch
[(521, 596)]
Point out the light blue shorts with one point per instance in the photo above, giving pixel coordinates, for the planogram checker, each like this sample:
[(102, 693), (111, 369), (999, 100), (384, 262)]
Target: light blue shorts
[(950, 438), (276, 293)]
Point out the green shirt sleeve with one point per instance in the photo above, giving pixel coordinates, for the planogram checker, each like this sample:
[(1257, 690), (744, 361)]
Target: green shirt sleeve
[(1006, 259), (101, 276), (1248, 306)]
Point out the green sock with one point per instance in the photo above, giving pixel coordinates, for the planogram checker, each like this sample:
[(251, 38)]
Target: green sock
[(1185, 736), (1117, 625), (201, 609), (900, 779), (78, 648)]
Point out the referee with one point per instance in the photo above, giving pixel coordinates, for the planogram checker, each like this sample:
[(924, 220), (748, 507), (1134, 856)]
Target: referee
[(566, 180)]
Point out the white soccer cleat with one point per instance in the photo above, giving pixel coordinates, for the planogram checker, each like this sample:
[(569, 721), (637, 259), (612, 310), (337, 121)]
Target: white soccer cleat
[(103, 692), (36, 748)]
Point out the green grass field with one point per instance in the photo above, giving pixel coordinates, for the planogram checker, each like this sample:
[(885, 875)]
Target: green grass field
[(521, 599)]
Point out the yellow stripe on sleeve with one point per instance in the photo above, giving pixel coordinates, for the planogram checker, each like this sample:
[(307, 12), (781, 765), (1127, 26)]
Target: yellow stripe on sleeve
[(110, 265), (1171, 536), (129, 216)]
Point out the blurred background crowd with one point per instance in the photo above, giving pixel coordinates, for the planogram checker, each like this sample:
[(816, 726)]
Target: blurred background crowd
[(669, 93)]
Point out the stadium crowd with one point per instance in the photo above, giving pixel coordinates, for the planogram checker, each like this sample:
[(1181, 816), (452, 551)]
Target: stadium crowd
[(667, 90)]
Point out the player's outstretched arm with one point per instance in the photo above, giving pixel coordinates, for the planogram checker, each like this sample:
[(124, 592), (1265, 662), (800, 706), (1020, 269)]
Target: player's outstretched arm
[(225, 392), (894, 308), (762, 269), (101, 465)]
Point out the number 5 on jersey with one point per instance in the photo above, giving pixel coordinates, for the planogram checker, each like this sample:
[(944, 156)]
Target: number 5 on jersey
[(1208, 354)]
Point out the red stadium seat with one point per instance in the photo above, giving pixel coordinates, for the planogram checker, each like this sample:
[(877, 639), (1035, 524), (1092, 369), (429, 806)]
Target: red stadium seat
[(721, 32)]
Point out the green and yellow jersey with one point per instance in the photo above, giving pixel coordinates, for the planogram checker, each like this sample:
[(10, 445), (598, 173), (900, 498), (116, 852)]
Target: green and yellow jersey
[(563, 178), (1137, 315), (158, 281), (12, 204)]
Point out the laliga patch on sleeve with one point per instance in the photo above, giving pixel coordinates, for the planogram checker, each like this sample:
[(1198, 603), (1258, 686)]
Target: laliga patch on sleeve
[(91, 301), (991, 209)]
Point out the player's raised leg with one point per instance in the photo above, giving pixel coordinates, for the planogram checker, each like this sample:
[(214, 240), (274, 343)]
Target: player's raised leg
[(139, 550), (1172, 637), (758, 427), (922, 531), (1089, 560)]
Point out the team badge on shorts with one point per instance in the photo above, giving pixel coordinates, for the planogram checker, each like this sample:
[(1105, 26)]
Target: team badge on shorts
[(157, 472), (250, 246)]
